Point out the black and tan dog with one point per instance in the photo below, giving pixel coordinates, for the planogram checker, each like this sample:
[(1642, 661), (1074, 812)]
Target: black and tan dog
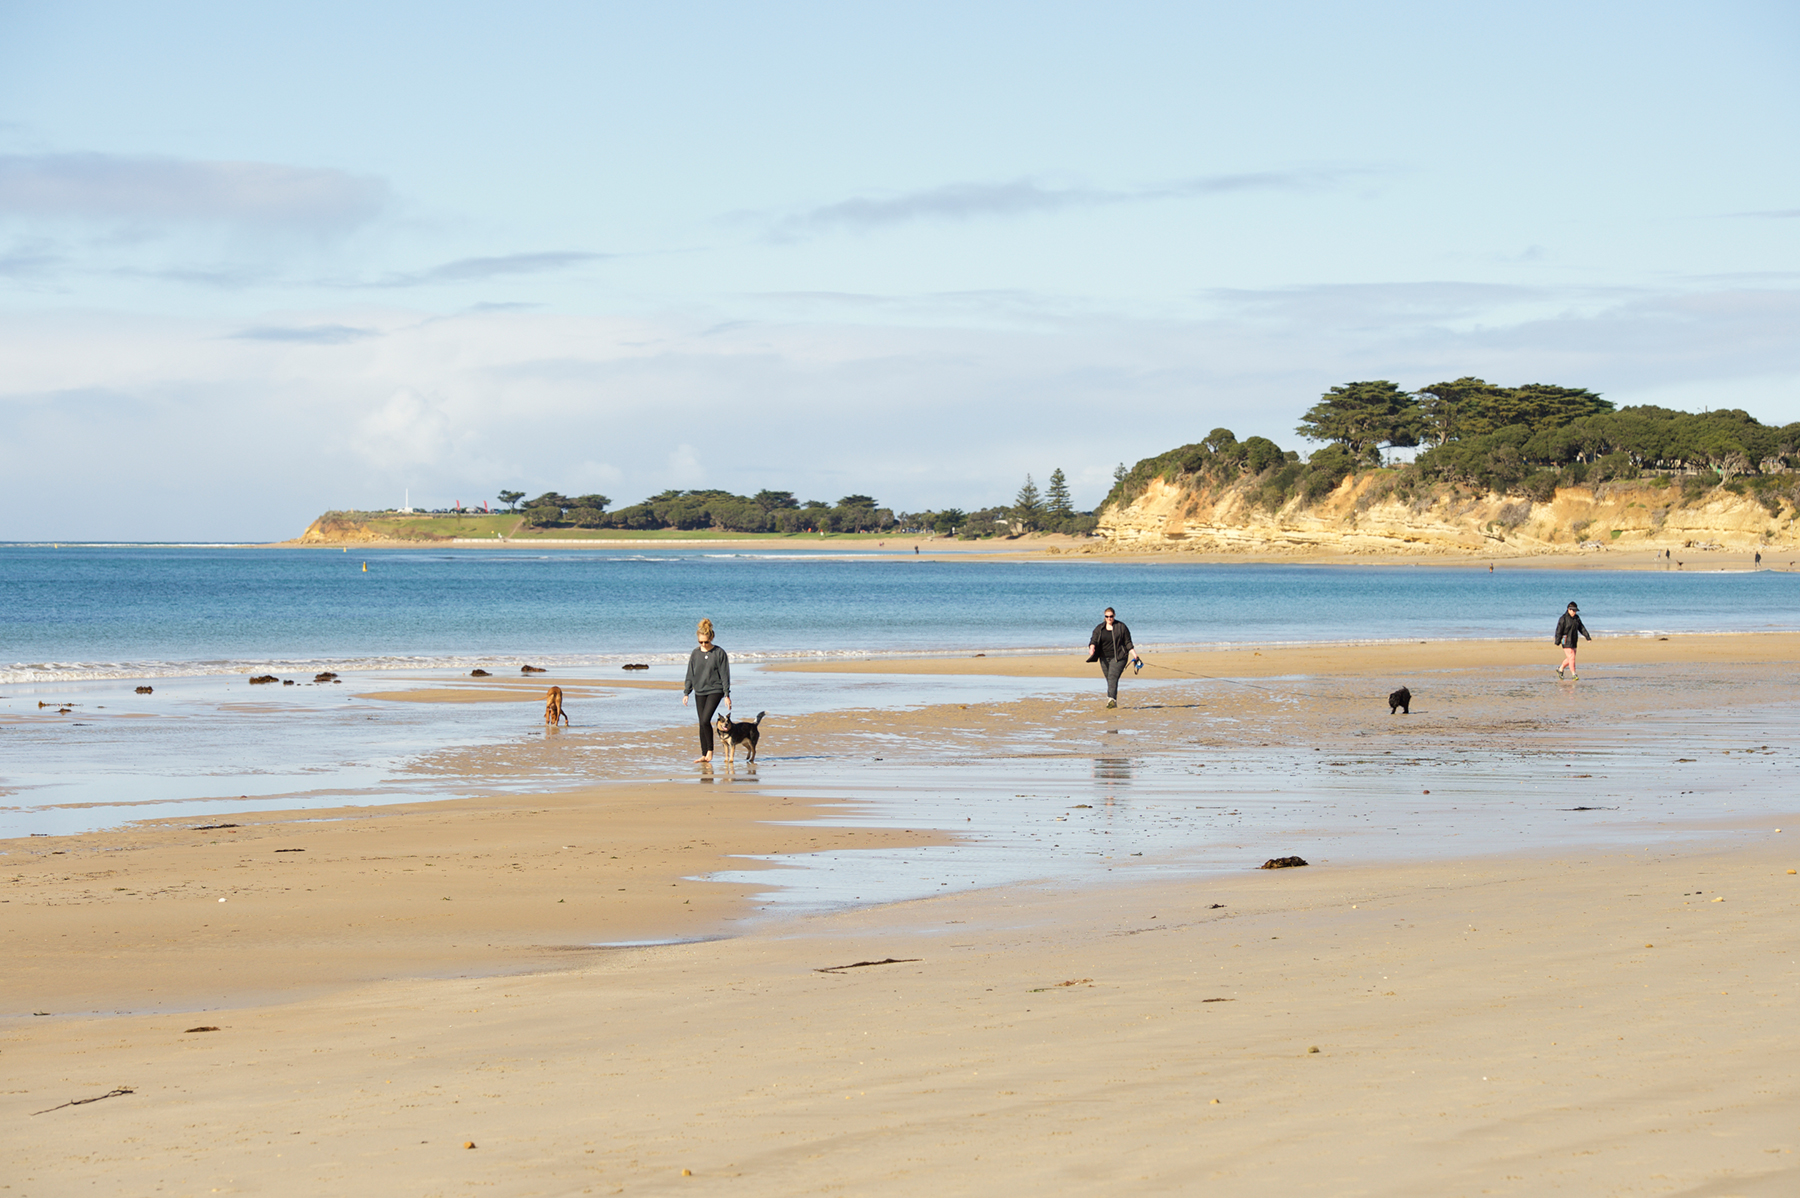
[(553, 710), (740, 732)]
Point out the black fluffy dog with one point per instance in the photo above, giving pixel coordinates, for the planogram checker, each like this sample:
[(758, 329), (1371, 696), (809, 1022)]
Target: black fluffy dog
[(1400, 700), (740, 732)]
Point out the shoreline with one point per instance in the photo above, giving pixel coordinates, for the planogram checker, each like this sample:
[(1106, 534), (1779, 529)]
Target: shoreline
[(1035, 547), (289, 867), (1029, 661), (1347, 658)]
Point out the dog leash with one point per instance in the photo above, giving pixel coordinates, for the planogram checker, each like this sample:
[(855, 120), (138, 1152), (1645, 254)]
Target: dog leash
[(1207, 677)]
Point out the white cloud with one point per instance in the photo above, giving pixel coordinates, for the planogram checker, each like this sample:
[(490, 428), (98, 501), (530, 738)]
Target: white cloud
[(317, 334), (120, 188), (408, 430), (1025, 197), (476, 270), (685, 470)]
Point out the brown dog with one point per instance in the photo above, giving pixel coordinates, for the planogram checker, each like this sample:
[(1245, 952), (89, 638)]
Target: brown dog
[(553, 707), (744, 732)]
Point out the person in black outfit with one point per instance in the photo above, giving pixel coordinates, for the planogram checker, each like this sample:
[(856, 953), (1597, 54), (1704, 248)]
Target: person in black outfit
[(1111, 646), (709, 681), (1568, 630)]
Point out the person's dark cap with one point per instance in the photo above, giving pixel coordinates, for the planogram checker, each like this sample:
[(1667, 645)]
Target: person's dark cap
[(1574, 606)]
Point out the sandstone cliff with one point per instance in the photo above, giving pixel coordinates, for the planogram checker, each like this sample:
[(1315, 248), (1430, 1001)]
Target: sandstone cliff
[(334, 529), (1370, 513), (368, 528)]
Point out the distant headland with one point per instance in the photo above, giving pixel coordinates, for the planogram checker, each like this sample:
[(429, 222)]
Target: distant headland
[(1522, 471)]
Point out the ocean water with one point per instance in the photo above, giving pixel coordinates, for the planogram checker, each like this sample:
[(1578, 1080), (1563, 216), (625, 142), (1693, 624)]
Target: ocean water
[(86, 613), (85, 625)]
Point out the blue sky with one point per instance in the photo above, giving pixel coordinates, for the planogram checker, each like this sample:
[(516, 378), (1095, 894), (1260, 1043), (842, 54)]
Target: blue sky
[(257, 261)]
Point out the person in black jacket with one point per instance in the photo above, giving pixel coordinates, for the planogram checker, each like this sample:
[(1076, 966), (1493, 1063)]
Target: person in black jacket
[(1111, 646), (709, 680), (1568, 630)]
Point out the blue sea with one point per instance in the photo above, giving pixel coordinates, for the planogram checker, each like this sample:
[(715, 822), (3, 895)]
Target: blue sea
[(77, 613), (82, 627)]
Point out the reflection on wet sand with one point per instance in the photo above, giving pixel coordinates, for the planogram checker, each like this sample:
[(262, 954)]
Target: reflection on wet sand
[(1112, 769)]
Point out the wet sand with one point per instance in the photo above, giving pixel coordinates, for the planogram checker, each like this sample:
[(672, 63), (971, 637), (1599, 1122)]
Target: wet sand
[(1394, 660), (1570, 1014), (1585, 1025), (185, 915)]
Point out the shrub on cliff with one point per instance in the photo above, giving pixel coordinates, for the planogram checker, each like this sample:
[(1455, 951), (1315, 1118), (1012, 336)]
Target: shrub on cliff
[(1274, 475)]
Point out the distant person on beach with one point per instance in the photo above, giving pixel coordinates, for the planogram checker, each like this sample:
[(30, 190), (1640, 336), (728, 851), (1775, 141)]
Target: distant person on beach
[(1568, 631), (1111, 646), (709, 681)]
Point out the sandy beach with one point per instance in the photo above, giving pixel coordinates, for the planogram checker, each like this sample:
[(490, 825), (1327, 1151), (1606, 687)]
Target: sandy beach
[(1592, 997), (1053, 546)]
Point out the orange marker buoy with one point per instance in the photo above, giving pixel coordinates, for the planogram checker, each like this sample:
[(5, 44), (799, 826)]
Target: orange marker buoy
[(365, 567)]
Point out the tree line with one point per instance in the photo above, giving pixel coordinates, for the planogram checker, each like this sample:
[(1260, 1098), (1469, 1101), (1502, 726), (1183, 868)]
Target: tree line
[(780, 512), (1526, 440)]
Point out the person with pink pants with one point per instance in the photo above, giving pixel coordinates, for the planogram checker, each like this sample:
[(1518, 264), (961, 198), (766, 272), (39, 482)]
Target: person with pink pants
[(1569, 630)]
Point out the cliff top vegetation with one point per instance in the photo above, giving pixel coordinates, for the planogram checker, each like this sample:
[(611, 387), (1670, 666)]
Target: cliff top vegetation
[(1527, 440)]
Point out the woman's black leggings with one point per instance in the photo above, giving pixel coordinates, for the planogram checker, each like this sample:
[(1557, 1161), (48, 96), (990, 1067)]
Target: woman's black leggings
[(705, 705)]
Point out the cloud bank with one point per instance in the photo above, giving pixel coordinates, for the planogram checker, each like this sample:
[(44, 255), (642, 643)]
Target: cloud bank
[(194, 429)]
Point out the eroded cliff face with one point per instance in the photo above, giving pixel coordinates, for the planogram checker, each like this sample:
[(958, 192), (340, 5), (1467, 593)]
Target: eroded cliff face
[(334, 529), (1366, 515)]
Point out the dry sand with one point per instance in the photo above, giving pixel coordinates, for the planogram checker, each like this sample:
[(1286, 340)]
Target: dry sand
[(1581, 1022)]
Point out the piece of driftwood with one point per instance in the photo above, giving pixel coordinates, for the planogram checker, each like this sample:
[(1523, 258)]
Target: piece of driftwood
[(82, 1101), (864, 964)]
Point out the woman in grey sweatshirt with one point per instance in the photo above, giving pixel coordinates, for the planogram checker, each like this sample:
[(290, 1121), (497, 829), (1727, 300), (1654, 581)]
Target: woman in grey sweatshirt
[(709, 681)]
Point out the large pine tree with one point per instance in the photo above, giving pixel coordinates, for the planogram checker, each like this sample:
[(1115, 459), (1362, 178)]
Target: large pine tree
[(1057, 501), (1028, 506)]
